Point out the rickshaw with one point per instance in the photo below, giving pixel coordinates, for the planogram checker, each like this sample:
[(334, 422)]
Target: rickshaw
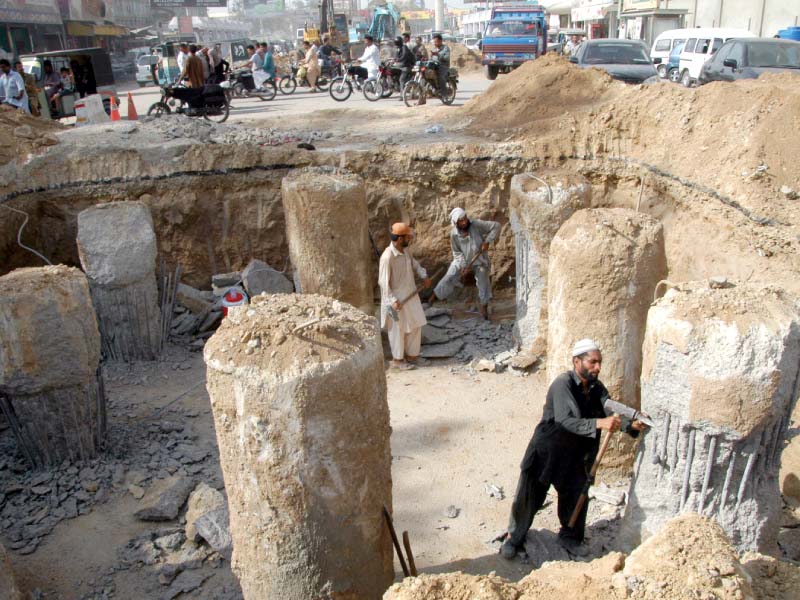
[(91, 73)]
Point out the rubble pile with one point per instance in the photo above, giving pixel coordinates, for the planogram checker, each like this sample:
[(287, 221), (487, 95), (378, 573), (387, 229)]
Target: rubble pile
[(22, 135)]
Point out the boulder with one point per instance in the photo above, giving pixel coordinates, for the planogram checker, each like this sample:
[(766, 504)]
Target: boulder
[(203, 499), (260, 278), (164, 499), (214, 528), (193, 299)]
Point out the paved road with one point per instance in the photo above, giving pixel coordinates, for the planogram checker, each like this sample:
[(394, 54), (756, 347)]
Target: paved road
[(298, 103)]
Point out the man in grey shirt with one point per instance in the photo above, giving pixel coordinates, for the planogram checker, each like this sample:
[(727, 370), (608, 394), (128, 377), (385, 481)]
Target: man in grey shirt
[(441, 53), (467, 239)]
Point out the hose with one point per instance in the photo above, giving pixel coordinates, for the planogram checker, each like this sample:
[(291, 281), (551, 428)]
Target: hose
[(19, 233)]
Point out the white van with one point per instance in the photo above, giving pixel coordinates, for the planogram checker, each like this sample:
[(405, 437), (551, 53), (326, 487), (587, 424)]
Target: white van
[(700, 46), (664, 44)]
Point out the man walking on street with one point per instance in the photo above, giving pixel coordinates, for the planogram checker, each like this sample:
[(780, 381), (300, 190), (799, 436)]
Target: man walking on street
[(396, 279), (467, 239), (563, 449)]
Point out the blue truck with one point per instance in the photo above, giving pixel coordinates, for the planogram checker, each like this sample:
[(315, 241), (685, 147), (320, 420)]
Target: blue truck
[(515, 34)]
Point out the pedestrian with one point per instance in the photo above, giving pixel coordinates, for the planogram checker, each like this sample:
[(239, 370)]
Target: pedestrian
[(30, 88), (193, 69), (13, 87), (183, 54), (467, 239), (563, 449), (396, 280)]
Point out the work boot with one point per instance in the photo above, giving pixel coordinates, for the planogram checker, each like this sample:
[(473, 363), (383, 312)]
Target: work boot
[(508, 550), (573, 546)]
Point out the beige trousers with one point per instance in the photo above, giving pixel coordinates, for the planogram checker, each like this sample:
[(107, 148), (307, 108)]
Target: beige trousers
[(403, 344)]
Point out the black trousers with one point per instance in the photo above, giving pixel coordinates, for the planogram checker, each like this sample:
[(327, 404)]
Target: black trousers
[(359, 72), (530, 497)]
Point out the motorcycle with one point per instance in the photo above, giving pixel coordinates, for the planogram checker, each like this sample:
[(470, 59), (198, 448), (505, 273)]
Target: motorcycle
[(342, 87), (210, 102), (288, 83), (242, 85), (425, 82), (390, 79)]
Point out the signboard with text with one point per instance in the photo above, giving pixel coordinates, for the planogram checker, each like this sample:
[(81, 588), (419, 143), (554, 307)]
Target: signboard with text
[(639, 5), (188, 3)]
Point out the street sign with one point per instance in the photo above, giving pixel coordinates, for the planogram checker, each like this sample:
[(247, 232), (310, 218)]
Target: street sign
[(187, 3)]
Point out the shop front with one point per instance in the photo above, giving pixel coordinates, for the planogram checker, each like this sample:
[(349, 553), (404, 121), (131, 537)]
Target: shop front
[(646, 20), (30, 26), (597, 17)]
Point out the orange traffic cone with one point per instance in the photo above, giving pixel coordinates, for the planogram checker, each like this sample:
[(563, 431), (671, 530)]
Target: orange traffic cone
[(132, 114), (114, 110)]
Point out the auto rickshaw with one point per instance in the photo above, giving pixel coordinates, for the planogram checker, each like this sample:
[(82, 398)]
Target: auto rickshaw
[(91, 74)]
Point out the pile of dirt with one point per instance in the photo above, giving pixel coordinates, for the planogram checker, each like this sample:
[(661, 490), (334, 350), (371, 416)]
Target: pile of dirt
[(22, 134), (689, 558), (465, 59)]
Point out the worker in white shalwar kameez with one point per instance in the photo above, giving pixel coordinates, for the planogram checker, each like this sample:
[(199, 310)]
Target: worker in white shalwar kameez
[(396, 278), (468, 238)]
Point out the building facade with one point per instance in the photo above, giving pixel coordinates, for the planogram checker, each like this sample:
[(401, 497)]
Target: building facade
[(30, 26)]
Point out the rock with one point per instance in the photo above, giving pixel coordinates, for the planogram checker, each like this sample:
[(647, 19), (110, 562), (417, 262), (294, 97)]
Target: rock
[(193, 299), (164, 499), (525, 360), (70, 506), (203, 499), (167, 573), (451, 512), (542, 545), (25, 131), (436, 311), (505, 357), (136, 491), (40, 490), (484, 364), (718, 282), (447, 350), (9, 589), (170, 542), (785, 190), (789, 542), (607, 495), (190, 556), (260, 278), (90, 486), (494, 491), (434, 335), (214, 528), (225, 280), (439, 320), (185, 582)]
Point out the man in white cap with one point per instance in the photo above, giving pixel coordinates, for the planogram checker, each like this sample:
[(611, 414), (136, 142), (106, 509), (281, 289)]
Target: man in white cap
[(467, 239), (563, 448), (401, 309)]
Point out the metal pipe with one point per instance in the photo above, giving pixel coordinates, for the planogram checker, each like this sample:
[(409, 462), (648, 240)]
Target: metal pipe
[(712, 448), (688, 469), (728, 475)]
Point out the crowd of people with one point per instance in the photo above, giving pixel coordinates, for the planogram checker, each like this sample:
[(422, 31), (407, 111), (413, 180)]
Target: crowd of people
[(21, 90)]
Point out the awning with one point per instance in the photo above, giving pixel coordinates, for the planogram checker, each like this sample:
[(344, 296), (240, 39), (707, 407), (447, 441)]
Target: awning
[(78, 29), (110, 30)]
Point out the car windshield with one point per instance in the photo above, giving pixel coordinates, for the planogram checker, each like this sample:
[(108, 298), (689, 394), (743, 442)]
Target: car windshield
[(511, 28), (615, 54), (770, 54)]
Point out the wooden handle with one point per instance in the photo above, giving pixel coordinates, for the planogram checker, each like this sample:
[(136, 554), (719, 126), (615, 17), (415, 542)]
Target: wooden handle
[(407, 545), (585, 495)]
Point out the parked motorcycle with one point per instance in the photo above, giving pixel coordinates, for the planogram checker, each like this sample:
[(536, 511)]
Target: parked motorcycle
[(342, 87), (242, 85), (209, 102), (289, 82), (425, 83)]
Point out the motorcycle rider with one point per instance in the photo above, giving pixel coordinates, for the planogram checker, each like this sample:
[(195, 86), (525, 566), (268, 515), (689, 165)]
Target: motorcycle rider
[(326, 51), (404, 60), (370, 60), (441, 54), (419, 49)]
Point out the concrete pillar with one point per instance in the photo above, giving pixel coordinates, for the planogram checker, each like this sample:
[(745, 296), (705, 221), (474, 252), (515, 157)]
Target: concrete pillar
[(50, 388), (298, 392), (117, 248), (327, 228), (720, 375), (537, 211), (604, 267), (439, 16)]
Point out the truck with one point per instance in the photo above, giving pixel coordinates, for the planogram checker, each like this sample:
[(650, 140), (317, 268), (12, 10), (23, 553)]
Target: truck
[(516, 33)]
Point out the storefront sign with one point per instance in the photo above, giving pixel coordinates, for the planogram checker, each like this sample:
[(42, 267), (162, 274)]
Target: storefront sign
[(639, 5), (591, 12), (187, 3), (44, 12)]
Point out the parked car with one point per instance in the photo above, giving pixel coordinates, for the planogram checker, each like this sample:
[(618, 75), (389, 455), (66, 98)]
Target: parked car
[(624, 60), (672, 67), (144, 73), (701, 46), (749, 58), (472, 43)]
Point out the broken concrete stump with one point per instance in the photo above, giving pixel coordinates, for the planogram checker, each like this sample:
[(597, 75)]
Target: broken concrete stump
[(328, 235), (117, 248), (604, 267), (720, 377), (298, 392), (51, 389), (537, 211)]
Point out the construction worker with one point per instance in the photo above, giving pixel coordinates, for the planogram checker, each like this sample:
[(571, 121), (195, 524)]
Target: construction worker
[(401, 310), (563, 448), (467, 239)]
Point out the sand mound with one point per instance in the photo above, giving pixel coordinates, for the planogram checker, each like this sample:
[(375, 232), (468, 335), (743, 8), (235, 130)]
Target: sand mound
[(465, 59), (540, 89), (689, 558), (22, 135)]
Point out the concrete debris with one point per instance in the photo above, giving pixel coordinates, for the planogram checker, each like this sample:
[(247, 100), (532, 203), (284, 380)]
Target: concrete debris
[(434, 335), (9, 589), (542, 545), (203, 499), (197, 301), (447, 350), (788, 192), (439, 320), (436, 311), (186, 582), (214, 528), (260, 278), (222, 281), (608, 495), (485, 364), (451, 512), (494, 491), (164, 498)]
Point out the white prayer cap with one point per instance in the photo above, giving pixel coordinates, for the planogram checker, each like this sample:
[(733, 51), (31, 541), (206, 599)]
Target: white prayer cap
[(456, 214), (583, 346)]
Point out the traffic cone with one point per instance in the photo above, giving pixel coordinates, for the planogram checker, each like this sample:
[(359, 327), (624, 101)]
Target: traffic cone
[(132, 114), (114, 110)]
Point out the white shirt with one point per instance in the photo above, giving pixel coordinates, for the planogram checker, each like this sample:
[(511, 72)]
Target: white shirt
[(371, 60), (396, 279), (12, 85), (181, 59)]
